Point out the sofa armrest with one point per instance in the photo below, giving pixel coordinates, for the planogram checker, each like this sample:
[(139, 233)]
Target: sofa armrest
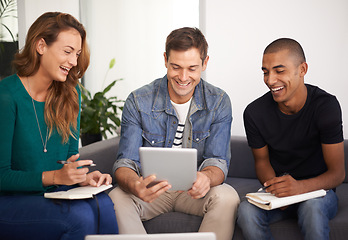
[(103, 154)]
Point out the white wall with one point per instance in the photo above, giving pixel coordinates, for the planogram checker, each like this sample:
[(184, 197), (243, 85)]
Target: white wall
[(134, 33), (238, 32), (30, 10)]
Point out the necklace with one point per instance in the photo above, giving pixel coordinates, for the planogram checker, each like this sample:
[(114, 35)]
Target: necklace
[(44, 144)]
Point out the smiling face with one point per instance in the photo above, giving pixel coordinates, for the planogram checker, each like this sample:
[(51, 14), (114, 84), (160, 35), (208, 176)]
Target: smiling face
[(184, 70), (284, 76), (58, 58)]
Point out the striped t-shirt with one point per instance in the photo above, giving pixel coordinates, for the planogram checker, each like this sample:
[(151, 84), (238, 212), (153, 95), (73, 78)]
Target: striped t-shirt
[(181, 111)]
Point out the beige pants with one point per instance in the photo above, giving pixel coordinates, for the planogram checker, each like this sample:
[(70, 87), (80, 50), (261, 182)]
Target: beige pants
[(218, 209)]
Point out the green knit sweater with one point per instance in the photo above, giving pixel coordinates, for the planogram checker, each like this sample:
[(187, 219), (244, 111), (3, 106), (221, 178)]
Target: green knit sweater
[(22, 159)]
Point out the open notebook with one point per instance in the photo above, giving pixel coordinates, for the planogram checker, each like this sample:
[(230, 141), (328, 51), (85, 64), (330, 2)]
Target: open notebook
[(78, 192), (268, 201)]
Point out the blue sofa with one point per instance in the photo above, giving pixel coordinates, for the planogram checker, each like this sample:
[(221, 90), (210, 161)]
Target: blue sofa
[(241, 176)]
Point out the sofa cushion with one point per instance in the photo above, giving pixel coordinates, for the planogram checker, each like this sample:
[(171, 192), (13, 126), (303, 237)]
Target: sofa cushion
[(173, 222), (339, 225)]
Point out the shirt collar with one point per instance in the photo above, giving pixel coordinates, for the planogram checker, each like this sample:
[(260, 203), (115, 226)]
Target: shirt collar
[(162, 99)]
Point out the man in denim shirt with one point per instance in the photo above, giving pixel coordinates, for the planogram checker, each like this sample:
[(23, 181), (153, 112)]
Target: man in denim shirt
[(178, 110)]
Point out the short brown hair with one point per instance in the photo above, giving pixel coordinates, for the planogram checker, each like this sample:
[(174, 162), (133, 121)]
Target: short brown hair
[(183, 39)]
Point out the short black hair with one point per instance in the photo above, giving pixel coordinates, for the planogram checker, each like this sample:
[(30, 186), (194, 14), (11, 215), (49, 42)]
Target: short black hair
[(286, 44)]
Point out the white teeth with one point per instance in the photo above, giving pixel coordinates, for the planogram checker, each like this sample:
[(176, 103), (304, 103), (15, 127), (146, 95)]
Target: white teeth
[(276, 89), (66, 69), (181, 84)]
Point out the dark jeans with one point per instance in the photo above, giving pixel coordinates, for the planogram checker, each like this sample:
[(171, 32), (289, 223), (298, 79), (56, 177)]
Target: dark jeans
[(313, 218), (35, 217)]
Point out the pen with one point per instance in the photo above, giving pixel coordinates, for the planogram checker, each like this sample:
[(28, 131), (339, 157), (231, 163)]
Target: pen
[(66, 162), (265, 187)]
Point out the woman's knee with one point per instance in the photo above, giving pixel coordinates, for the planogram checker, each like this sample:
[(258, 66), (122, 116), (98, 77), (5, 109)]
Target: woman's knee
[(94, 215), (82, 216)]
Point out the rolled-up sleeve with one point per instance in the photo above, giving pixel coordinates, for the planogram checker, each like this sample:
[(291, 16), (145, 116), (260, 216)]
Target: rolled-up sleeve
[(216, 162), (124, 162)]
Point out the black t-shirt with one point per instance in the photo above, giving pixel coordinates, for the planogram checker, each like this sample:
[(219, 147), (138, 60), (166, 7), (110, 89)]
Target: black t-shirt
[(294, 141)]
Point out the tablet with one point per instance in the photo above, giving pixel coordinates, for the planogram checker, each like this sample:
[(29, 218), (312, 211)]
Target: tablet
[(178, 166)]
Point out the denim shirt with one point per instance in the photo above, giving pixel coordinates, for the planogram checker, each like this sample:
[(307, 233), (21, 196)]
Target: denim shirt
[(149, 120)]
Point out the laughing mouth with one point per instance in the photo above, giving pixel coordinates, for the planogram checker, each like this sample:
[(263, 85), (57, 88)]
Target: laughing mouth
[(277, 89), (183, 84), (65, 69)]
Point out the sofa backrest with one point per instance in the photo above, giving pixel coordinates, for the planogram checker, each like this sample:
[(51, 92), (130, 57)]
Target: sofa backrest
[(242, 160), (103, 154)]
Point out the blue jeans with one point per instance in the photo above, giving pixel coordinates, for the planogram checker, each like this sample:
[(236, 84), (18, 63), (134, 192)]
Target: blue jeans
[(313, 218), (35, 217)]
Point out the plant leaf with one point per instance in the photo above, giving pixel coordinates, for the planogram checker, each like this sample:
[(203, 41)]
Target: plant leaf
[(99, 113), (109, 87), (112, 63)]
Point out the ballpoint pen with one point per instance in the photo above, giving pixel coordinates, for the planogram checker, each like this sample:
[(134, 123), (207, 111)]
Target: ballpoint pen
[(67, 162), (265, 187)]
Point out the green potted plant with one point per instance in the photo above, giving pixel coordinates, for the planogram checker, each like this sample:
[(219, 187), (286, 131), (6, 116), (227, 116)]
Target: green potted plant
[(99, 114), (8, 38)]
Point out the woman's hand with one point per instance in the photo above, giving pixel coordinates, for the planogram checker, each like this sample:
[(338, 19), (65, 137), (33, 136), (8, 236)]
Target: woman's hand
[(97, 179), (72, 172)]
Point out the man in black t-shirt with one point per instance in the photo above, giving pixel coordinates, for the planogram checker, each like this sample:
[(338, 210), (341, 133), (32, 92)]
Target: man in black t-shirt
[(295, 128)]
